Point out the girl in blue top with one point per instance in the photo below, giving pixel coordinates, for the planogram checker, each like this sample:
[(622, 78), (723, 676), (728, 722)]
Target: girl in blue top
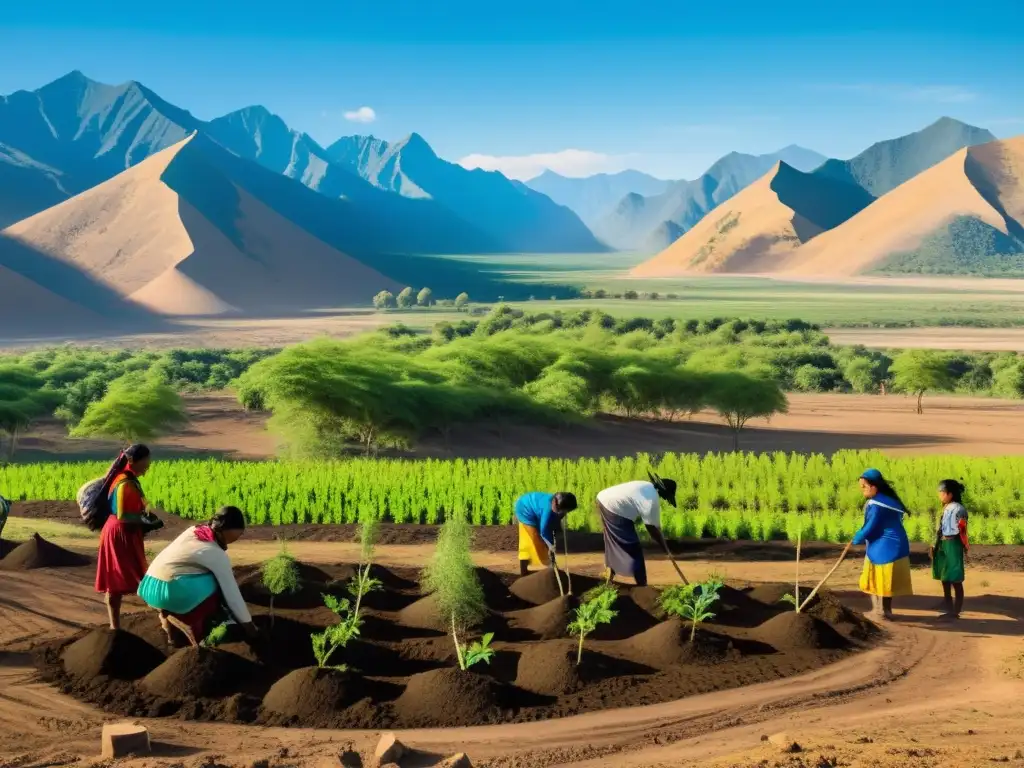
[(886, 571)]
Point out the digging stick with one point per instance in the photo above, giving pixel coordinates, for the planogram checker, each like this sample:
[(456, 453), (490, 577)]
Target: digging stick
[(796, 593), (674, 563), (565, 546), (554, 567), (814, 591)]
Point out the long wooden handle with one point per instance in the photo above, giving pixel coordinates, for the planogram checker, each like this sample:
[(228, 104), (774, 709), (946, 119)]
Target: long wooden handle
[(814, 591), (674, 563)]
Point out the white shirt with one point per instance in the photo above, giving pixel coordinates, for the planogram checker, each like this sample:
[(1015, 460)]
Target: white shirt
[(638, 498), (952, 514), (187, 555)]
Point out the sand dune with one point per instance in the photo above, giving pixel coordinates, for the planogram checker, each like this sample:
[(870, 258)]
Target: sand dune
[(176, 235), (760, 229), (984, 182)]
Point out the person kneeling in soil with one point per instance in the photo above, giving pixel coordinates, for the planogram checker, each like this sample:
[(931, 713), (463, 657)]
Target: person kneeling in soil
[(191, 582), (619, 508), (950, 548), (886, 571), (537, 514)]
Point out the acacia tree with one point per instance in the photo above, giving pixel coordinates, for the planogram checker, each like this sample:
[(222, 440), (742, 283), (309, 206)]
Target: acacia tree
[(462, 300), (918, 371), (23, 399), (136, 407), (738, 398), (406, 299), (384, 300), (425, 297)]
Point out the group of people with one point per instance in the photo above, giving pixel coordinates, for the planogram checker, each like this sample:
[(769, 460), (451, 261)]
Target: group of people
[(190, 583), (192, 587), (886, 572)]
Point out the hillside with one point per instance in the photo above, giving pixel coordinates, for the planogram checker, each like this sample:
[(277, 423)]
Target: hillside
[(640, 222), (963, 216), (517, 217), (761, 228), (178, 235), (884, 166), (594, 197)]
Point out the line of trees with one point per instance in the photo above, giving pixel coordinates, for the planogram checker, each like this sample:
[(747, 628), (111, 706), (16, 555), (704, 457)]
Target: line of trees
[(408, 298)]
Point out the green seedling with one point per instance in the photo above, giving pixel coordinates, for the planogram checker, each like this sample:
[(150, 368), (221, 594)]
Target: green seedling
[(280, 576), (592, 613), (691, 602), (337, 635), (451, 577), (216, 636), (479, 651)]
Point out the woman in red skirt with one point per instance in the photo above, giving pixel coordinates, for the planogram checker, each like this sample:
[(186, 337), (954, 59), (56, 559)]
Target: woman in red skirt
[(122, 557)]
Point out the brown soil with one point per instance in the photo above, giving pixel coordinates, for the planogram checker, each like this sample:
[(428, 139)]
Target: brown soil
[(449, 697), (307, 694), (402, 670), (37, 552), (112, 653), (541, 587), (799, 630)]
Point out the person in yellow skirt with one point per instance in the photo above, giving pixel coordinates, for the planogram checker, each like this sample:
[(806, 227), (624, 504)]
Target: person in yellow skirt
[(537, 514), (886, 571)]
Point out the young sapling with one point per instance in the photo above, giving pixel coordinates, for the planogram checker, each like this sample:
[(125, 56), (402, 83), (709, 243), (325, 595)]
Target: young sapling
[(280, 576), (691, 602), (337, 635), (216, 636), (451, 577), (363, 583), (479, 651), (594, 610)]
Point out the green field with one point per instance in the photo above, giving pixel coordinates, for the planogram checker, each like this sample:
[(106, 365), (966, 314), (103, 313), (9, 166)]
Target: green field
[(730, 496), (966, 303)]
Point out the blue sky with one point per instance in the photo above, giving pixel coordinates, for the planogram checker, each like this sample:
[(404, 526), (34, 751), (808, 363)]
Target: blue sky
[(580, 87)]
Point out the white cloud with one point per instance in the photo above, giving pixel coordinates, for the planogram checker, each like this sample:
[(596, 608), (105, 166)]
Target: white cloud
[(361, 115), (932, 94), (568, 162)]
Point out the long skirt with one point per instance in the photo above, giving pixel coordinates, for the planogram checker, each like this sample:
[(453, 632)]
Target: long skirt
[(948, 563), (622, 551), (889, 580), (122, 558), (531, 546), (204, 617)]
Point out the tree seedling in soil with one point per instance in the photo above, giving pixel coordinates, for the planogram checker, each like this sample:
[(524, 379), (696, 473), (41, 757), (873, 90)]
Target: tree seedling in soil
[(337, 635), (216, 636), (363, 583), (280, 576), (451, 578), (594, 610), (479, 651), (691, 602)]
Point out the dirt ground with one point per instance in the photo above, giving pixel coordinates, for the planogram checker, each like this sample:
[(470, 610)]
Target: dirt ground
[(974, 339), (815, 424), (931, 694)]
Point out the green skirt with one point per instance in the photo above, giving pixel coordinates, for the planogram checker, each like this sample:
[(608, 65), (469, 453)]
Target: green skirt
[(948, 563)]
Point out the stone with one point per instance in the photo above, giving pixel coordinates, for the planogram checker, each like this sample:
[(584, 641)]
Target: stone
[(460, 760), (389, 749), (783, 743), (121, 739)]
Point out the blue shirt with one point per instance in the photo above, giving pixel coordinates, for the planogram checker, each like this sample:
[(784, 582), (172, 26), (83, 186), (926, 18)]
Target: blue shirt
[(534, 510), (883, 531)]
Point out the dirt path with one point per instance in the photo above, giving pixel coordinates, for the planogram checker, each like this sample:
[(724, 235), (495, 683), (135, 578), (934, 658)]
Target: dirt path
[(900, 695), (973, 339)]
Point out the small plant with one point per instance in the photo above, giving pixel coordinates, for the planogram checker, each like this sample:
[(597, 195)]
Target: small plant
[(337, 635), (363, 583), (479, 651), (280, 576), (451, 578), (790, 600), (594, 610), (691, 602), (216, 636)]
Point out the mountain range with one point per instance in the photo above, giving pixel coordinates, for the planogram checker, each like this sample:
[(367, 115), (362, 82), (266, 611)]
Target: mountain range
[(962, 215)]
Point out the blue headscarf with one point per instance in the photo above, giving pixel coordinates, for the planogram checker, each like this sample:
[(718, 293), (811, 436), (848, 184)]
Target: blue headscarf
[(872, 475)]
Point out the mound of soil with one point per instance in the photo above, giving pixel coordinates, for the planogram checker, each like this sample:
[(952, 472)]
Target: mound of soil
[(37, 552), (539, 587), (800, 631), (448, 698), (311, 694), (549, 668), (6, 545), (646, 598), (548, 621), (313, 582), (826, 606), (772, 594), (423, 614), (667, 644), (196, 673), (737, 608), (110, 652)]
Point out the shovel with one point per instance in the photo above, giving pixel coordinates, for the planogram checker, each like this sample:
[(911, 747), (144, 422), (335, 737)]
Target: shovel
[(565, 546), (814, 591)]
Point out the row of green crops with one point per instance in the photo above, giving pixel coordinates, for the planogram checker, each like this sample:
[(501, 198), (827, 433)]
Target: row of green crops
[(736, 496)]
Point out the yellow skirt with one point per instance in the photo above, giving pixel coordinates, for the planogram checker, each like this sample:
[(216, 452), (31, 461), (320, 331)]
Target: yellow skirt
[(532, 546), (889, 580)]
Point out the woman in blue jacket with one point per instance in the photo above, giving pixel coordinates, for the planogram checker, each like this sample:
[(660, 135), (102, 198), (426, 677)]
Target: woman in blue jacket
[(886, 571)]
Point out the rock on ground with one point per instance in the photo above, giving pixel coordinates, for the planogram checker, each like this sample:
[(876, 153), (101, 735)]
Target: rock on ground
[(121, 739), (389, 749)]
